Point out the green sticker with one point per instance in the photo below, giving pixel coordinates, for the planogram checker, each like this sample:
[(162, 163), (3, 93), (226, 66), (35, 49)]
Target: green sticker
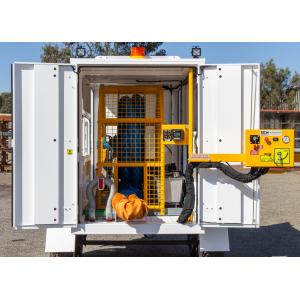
[(266, 158), (69, 151), (282, 156)]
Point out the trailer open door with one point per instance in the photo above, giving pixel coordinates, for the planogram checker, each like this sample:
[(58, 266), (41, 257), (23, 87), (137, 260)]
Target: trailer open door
[(228, 105), (45, 179)]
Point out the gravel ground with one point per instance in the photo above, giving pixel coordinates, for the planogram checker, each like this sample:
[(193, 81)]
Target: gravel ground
[(279, 234)]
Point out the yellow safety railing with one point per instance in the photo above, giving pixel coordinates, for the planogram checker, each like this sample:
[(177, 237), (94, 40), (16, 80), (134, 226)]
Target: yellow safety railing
[(133, 116)]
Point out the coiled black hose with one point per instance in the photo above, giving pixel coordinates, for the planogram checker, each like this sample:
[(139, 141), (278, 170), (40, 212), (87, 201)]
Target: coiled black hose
[(189, 201)]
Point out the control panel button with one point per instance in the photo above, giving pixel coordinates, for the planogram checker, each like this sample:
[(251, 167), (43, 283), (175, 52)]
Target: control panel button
[(267, 140), (286, 139), (254, 139)]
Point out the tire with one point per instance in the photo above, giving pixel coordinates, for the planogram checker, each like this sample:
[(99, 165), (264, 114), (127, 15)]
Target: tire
[(60, 254), (213, 254), (79, 241), (194, 245)]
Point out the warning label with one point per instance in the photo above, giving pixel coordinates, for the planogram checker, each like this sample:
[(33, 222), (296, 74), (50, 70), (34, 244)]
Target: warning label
[(69, 151), (271, 132), (200, 156), (282, 155), (266, 158)]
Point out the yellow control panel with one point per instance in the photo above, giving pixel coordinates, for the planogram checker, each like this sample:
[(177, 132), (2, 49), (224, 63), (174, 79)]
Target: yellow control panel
[(269, 148), (175, 134)]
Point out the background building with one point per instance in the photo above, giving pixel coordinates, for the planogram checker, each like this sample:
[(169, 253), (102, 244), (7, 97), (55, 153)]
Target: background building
[(283, 116), (5, 142)]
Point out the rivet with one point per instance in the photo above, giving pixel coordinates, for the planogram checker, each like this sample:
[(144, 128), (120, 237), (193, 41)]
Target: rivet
[(220, 76)]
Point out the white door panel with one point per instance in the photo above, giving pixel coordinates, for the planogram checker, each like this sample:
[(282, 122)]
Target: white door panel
[(45, 145), (229, 104)]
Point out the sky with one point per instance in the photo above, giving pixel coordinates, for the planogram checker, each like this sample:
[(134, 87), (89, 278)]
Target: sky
[(284, 54)]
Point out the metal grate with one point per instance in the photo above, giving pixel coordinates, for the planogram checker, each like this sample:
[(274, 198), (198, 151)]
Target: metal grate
[(131, 142), (155, 183), (130, 120), (131, 105)]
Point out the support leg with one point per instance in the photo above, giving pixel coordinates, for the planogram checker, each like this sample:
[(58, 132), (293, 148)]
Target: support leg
[(215, 241), (60, 240)]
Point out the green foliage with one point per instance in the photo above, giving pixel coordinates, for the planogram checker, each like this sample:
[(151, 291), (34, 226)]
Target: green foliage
[(53, 53), (5, 103), (278, 86)]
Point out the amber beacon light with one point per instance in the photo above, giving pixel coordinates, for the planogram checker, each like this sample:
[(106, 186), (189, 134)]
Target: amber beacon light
[(137, 52)]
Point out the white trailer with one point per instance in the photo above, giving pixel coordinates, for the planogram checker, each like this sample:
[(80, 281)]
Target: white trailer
[(55, 117)]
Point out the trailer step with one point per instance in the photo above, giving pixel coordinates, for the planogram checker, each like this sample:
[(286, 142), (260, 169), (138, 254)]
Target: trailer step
[(149, 225), (136, 242)]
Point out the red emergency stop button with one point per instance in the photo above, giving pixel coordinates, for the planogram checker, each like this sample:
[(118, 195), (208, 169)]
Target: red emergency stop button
[(267, 141)]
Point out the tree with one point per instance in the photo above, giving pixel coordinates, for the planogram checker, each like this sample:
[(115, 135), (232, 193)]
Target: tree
[(5, 103), (53, 53), (278, 86)]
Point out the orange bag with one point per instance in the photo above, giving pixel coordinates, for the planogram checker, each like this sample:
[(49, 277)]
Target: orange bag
[(130, 208)]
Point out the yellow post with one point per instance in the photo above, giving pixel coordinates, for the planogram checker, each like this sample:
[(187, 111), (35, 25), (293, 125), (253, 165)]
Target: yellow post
[(162, 157), (191, 110)]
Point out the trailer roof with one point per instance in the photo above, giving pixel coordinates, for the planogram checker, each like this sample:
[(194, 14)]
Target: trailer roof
[(128, 61)]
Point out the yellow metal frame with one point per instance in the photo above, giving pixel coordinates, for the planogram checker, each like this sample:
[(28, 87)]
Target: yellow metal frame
[(203, 157), (103, 121), (191, 111)]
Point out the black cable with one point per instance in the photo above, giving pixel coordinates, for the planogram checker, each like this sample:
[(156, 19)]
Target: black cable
[(169, 149), (228, 170), (189, 201)]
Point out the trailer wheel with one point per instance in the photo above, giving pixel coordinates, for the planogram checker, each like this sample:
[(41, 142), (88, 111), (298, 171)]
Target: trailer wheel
[(194, 245), (212, 254), (61, 254), (79, 242)]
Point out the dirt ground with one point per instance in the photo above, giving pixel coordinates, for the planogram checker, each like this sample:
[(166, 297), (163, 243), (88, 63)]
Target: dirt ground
[(279, 234)]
